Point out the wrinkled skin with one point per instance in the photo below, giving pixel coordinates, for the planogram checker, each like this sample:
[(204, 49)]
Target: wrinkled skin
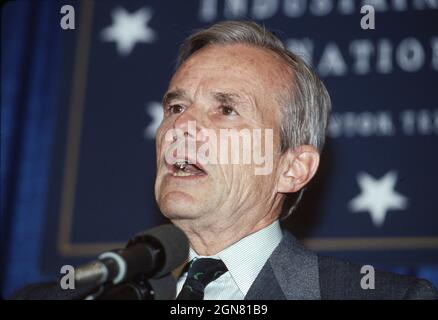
[(230, 201)]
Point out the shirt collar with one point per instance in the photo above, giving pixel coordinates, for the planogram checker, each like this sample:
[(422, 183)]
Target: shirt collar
[(246, 258)]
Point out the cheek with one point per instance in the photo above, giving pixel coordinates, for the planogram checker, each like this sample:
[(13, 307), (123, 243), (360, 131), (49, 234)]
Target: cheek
[(158, 188), (162, 139), (238, 178), (159, 139)]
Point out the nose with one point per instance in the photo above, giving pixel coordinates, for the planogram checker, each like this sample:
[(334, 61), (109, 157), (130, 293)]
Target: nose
[(188, 122)]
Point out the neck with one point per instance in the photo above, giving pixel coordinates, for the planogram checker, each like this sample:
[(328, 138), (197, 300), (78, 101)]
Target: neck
[(210, 238)]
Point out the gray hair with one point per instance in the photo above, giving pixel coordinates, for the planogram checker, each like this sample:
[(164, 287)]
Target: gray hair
[(307, 107)]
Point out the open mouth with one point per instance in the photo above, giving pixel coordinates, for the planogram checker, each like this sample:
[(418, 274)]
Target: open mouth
[(182, 168)]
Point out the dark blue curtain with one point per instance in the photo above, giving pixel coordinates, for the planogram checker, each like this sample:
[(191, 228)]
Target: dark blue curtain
[(30, 60)]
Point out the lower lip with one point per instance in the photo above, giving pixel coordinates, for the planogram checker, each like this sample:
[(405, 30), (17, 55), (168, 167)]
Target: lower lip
[(193, 177)]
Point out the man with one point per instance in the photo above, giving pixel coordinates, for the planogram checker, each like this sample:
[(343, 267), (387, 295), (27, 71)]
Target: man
[(236, 77)]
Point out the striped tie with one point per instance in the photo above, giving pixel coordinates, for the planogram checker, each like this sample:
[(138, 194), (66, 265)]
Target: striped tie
[(201, 273)]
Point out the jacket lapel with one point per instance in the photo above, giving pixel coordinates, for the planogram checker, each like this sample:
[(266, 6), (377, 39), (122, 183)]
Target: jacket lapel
[(266, 286), (291, 273)]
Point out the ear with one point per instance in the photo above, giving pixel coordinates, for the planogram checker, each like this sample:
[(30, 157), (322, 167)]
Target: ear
[(297, 168)]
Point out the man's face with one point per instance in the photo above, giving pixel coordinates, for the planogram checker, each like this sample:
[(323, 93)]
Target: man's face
[(219, 87)]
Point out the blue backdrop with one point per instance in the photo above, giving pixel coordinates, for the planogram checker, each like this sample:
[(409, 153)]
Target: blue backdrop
[(79, 109)]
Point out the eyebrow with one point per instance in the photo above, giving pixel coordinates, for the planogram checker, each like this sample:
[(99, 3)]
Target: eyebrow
[(174, 95), (234, 99), (227, 98)]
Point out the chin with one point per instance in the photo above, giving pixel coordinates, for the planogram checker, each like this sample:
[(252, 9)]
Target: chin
[(179, 205)]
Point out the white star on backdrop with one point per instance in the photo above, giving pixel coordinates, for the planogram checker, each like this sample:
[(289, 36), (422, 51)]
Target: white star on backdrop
[(129, 28), (155, 111), (378, 196)]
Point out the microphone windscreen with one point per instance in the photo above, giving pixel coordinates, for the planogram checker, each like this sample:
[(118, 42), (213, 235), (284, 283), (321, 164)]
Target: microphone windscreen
[(174, 243)]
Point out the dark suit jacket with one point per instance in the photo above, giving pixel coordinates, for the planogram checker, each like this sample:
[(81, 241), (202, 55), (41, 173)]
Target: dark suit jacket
[(294, 272)]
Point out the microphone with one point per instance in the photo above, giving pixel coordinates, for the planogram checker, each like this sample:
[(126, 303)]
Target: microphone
[(163, 288), (152, 254)]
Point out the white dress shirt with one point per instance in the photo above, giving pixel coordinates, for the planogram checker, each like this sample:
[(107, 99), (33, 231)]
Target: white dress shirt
[(244, 260)]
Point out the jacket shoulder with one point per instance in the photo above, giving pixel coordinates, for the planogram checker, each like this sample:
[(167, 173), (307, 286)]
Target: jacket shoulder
[(341, 279)]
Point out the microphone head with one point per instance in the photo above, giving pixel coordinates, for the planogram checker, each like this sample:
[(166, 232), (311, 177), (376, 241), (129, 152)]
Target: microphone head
[(173, 243)]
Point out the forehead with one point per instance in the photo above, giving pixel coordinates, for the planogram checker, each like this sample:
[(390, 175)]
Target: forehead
[(240, 67)]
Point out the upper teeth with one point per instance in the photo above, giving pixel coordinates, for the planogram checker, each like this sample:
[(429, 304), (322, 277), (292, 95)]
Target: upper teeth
[(181, 164)]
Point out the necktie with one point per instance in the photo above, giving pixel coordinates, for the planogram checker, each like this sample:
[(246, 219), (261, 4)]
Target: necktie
[(201, 272)]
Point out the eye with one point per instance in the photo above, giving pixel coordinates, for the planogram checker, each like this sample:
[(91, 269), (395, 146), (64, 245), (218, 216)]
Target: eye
[(175, 108), (228, 111)]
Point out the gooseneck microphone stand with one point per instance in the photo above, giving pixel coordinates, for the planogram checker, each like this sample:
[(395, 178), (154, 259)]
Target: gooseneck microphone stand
[(142, 288), (133, 290)]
